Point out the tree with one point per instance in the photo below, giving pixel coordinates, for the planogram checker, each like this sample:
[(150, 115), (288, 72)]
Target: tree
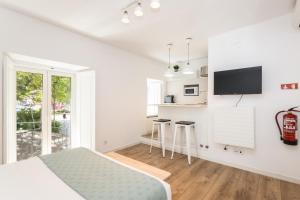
[(29, 87), (61, 91), (29, 93), (30, 90)]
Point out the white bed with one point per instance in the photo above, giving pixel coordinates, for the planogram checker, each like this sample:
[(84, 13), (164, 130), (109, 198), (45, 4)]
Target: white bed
[(32, 179)]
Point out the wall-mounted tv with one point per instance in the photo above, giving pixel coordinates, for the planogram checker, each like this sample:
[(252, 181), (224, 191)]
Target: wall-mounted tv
[(238, 81)]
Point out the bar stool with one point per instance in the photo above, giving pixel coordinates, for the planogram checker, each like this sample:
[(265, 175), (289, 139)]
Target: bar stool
[(161, 127), (187, 125)]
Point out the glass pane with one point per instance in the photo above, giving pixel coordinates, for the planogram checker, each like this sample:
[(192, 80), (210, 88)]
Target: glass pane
[(153, 96), (29, 108), (61, 113)]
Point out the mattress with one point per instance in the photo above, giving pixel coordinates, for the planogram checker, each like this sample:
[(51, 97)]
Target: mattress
[(78, 174)]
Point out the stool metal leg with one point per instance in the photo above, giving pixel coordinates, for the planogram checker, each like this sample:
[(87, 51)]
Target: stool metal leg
[(174, 140), (159, 134), (162, 139), (196, 139), (153, 127), (188, 142)]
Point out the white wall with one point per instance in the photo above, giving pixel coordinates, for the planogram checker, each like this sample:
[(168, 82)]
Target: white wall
[(275, 45), (120, 75)]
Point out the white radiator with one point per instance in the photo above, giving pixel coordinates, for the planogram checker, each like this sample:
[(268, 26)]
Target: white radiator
[(234, 126)]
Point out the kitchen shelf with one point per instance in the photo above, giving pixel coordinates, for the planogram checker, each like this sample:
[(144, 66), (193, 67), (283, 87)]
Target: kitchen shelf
[(183, 105)]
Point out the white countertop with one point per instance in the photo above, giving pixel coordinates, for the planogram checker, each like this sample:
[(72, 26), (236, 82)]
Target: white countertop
[(202, 105)]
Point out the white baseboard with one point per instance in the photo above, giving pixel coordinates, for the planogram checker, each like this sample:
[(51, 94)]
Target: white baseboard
[(122, 147), (182, 150)]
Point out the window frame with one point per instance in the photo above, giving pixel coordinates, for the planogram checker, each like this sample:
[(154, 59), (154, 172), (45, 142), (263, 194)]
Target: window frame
[(160, 82)]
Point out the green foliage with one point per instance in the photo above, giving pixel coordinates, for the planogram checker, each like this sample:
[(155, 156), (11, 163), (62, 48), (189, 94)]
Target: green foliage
[(30, 92), (56, 125), (61, 89), (25, 115), (28, 115), (176, 68), (29, 87), (62, 111)]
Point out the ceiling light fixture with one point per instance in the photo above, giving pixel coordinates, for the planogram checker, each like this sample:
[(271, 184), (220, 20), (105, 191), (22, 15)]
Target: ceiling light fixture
[(136, 7), (138, 11), (169, 72), (155, 4), (125, 18), (187, 69)]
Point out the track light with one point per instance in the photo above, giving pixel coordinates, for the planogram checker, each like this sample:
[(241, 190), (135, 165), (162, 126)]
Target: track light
[(125, 18), (138, 11), (155, 4), (136, 7)]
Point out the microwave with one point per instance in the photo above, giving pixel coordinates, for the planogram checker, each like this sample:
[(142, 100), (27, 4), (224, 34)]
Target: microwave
[(191, 90)]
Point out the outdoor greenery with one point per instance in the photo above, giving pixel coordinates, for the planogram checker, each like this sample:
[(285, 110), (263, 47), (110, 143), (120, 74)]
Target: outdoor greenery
[(29, 88), (55, 126), (26, 115), (29, 97), (61, 87)]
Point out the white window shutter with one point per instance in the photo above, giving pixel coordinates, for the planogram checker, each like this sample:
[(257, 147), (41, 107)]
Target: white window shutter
[(85, 109)]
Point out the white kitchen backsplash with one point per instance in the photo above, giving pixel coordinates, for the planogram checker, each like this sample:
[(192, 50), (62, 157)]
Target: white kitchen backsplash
[(175, 87)]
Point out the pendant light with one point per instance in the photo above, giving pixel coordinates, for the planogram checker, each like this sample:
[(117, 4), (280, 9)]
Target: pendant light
[(169, 73), (187, 69)]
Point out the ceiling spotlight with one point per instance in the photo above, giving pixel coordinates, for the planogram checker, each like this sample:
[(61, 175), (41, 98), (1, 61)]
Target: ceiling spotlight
[(125, 18), (155, 4), (138, 11)]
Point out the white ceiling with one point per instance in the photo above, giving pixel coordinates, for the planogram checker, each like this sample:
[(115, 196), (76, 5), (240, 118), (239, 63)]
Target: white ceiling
[(148, 36)]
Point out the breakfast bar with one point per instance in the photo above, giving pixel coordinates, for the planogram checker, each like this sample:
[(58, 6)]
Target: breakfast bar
[(185, 112)]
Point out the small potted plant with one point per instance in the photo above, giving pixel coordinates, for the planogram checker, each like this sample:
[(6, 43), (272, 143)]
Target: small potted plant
[(176, 68)]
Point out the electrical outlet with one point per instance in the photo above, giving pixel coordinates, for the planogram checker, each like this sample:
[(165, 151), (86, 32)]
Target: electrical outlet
[(226, 148), (238, 150)]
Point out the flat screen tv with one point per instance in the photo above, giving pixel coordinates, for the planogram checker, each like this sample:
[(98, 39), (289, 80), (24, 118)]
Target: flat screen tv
[(238, 81)]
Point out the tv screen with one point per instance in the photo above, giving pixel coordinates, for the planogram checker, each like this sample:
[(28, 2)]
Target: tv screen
[(238, 81)]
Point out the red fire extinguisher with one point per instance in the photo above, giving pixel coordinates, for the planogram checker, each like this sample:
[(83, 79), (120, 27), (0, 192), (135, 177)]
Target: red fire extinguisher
[(288, 133)]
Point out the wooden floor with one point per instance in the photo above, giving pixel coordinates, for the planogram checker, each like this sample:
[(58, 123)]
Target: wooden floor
[(207, 180)]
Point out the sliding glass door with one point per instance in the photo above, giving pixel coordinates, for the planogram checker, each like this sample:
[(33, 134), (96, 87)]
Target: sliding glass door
[(43, 112)]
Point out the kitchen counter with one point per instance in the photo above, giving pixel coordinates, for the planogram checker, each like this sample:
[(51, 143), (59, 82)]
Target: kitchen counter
[(202, 105)]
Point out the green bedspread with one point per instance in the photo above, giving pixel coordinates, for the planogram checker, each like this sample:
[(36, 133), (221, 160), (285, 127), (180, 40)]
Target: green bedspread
[(95, 177)]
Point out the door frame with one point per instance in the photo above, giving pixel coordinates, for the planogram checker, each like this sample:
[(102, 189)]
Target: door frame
[(44, 104), (73, 106), (10, 147)]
